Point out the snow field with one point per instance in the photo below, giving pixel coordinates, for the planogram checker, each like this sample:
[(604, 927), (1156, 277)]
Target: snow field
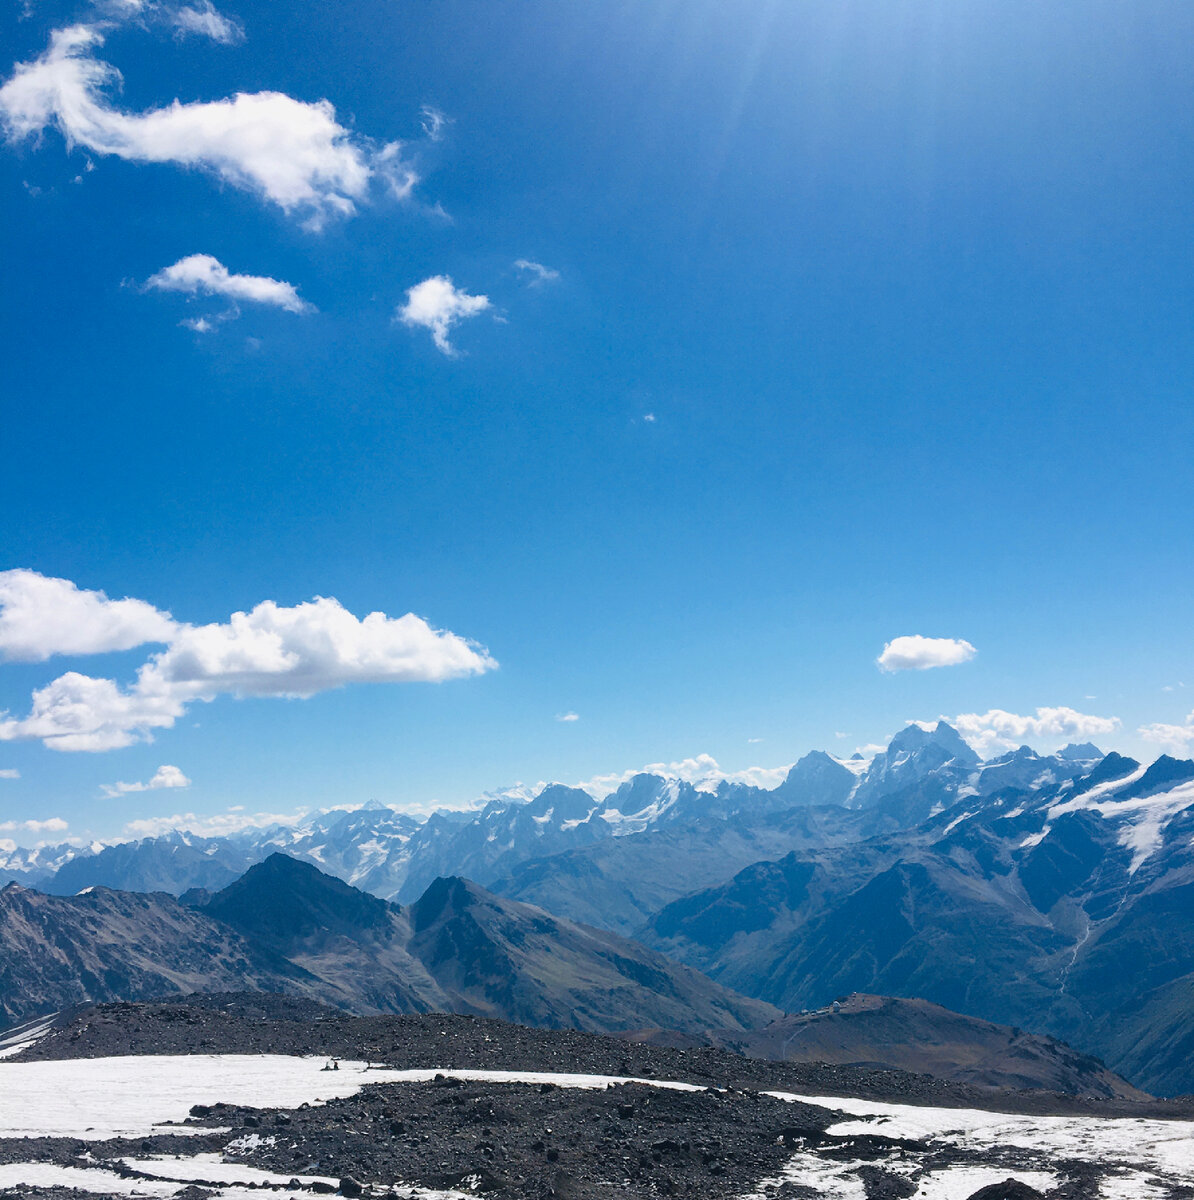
[(96, 1099)]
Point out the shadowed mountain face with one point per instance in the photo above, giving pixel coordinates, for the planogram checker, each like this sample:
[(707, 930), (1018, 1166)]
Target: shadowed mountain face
[(494, 956), (285, 926), (914, 1035), (1068, 909), (105, 945)]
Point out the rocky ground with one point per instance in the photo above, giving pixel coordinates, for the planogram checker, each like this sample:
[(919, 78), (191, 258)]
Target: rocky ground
[(448, 1137), (271, 1024)]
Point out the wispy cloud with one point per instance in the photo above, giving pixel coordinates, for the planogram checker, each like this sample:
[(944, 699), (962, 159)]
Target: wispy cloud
[(537, 273), (567, 717), (434, 122), (52, 825), (166, 776), (916, 653), (438, 304), (214, 825), (10, 773), (1176, 737), (702, 771), (205, 20), (291, 153)]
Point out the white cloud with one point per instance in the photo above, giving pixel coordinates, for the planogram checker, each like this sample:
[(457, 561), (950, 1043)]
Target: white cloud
[(870, 749), (916, 653), (79, 712), (1000, 730), (433, 121), (1176, 737), (438, 304), (649, 418), (269, 651), (217, 825), (539, 274), (41, 616), (703, 772), (10, 773), (201, 274), (52, 825), (567, 716), (289, 152), (204, 20), (166, 776), (314, 646)]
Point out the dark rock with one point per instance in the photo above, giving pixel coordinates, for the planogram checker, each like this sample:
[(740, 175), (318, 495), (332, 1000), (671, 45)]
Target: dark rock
[(1009, 1189)]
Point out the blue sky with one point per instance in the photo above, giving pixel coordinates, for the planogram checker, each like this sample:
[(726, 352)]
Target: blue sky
[(867, 321)]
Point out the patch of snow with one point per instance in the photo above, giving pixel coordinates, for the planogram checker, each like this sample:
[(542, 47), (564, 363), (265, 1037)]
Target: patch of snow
[(17, 1040), (856, 766), (1132, 1141), (213, 1167), (251, 1141), (135, 1096), (955, 822), (952, 1182), (84, 1179), (826, 1179), (1144, 817), (1133, 1185), (1035, 839)]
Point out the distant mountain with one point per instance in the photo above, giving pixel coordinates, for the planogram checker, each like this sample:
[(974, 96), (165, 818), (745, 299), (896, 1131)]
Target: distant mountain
[(1067, 908), (913, 1035), (285, 926), (619, 883), (396, 856)]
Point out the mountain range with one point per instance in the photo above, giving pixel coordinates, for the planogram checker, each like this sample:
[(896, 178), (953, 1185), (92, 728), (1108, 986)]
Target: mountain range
[(284, 926), (1047, 892)]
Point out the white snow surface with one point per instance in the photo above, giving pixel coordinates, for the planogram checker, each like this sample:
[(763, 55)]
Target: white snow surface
[(1144, 817), (85, 1179), (1133, 1141), (135, 1096), (99, 1098)]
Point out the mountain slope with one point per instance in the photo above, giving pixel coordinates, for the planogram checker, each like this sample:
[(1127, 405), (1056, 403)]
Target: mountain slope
[(882, 1032), (1068, 909), (498, 957), (105, 945)]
